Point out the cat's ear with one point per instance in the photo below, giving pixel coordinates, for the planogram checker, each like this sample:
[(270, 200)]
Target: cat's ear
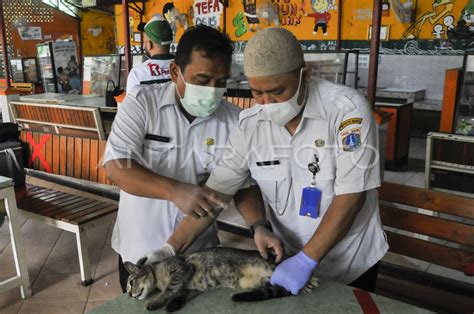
[(132, 268)]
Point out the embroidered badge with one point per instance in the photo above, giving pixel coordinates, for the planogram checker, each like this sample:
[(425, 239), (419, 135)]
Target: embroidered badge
[(319, 142), (351, 139), (348, 122)]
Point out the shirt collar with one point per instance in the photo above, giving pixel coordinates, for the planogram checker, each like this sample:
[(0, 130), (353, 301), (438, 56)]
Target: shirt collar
[(162, 56)]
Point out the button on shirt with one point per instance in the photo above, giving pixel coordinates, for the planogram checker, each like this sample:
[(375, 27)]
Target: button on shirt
[(151, 129), (154, 70), (337, 126)]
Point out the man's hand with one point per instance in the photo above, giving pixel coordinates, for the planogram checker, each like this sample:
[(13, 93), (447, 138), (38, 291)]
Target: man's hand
[(293, 273), (165, 252), (265, 240), (196, 201)]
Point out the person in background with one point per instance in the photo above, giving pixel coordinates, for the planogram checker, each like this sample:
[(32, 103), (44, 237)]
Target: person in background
[(157, 39)]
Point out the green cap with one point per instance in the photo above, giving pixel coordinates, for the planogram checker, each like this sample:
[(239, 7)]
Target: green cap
[(159, 30)]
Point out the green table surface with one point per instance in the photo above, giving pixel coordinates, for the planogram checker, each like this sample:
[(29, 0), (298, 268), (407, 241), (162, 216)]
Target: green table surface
[(329, 297)]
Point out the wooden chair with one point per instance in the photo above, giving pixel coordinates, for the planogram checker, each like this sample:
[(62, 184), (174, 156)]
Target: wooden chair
[(456, 254), (59, 119), (68, 212)]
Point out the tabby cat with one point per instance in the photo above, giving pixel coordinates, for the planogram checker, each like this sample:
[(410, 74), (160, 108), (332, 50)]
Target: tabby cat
[(180, 278)]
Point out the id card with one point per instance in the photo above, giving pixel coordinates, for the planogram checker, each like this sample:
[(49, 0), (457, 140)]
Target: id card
[(310, 202)]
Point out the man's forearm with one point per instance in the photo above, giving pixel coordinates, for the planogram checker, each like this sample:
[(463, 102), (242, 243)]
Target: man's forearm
[(188, 230), (135, 179), (335, 224), (250, 205)]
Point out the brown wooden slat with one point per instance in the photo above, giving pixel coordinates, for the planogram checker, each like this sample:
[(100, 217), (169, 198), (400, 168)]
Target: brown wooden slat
[(85, 159), (78, 133), (64, 214), (102, 178), (98, 214), (70, 157), (36, 205), (59, 205), (64, 208), (92, 211), (429, 252), (77, 157), (55, 152), (36, 161), (94, 158), (427, 199), (427, 225), (49, 152), (90, 120), (23, 194), (36, 194), (40, 197), (62, 155)]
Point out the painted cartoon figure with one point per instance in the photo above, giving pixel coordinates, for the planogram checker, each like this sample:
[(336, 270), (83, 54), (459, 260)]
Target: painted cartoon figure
[(250, 11), (321, 15), (449, 22), (438, 31)]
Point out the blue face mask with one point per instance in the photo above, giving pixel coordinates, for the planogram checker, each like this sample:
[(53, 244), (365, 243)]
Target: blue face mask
[(200, 101)]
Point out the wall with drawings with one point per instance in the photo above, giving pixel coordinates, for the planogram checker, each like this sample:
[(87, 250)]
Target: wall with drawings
[(314, 22)]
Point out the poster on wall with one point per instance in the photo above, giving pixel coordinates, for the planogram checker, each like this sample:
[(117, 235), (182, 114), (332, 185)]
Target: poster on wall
[(67, 67), (98, 70), (207, 12), (16, 68), (30, 68), (32, 33)]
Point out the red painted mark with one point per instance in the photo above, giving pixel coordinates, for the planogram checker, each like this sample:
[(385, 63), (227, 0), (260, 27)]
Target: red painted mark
[(366, 302), (37, 150)]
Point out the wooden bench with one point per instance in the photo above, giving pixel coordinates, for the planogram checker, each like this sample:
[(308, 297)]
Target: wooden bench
[(59, 119), (422, 212), (69, 212), (24, 88)]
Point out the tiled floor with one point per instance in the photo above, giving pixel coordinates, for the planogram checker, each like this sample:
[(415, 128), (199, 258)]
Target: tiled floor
[(54, 270)]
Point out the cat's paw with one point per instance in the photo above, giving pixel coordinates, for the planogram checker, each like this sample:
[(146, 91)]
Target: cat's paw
[(151, 305), (311, 284), (175, 304)]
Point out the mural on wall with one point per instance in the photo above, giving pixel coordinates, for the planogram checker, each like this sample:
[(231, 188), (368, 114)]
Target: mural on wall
[(175, 18), (465, 26), (321, 14), (434, 17), (250, 12), (239, 24)]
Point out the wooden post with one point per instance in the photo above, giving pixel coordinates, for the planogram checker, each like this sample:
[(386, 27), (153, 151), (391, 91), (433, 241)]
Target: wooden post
[(126, 32), (374, 52), (4, 46), (339, 25)]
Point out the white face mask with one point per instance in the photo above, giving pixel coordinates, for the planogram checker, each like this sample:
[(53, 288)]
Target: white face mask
[(282, 112), (200, 101)]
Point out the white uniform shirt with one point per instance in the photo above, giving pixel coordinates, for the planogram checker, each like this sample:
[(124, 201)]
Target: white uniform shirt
[(154, 70), (151, 129), (338, 126)]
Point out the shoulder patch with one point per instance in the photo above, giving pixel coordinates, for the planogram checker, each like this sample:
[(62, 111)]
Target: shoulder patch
[(351, 140), (348, 122)]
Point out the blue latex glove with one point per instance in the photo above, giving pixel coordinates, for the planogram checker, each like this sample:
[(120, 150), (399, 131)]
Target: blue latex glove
[(293, 273)]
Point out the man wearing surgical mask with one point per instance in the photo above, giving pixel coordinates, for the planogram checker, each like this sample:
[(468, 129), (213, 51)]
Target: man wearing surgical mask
[(165, 140), (311, 146)]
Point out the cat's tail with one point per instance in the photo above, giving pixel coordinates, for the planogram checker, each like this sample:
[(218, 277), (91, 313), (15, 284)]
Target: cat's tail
[(265, 293)]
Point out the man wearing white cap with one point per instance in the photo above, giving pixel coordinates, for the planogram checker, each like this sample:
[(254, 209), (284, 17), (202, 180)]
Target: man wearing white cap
[(311, 146), (157, 38)]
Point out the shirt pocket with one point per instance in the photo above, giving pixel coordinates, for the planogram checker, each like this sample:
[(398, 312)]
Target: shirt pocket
[(159, 156), (274, 183)]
